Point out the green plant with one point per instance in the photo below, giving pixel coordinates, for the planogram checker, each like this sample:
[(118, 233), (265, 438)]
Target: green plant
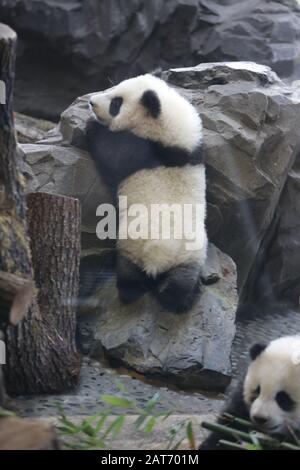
[(98, 431), (6, 413)]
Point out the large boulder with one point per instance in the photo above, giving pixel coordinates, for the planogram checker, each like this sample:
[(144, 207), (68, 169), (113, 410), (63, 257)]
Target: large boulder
[(250, 134), (71, 47), (262, 31), (191, 350), (67, 170), (278, 273)]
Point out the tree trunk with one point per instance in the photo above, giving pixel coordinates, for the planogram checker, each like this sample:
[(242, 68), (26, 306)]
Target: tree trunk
[(14, 246), (37, 358)]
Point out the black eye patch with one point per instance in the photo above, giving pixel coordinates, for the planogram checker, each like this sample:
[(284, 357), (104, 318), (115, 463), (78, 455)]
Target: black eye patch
[(115, 106), (284, 401), (255, 393), (151, 102)]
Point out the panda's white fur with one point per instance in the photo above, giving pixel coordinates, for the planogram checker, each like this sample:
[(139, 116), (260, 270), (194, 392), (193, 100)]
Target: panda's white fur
[(269, 394), (168, 186), (177, 125), (276, 369), (151, 110)]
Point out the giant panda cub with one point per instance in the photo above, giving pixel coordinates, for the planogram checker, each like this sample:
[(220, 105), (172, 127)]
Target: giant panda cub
[(147, 144), (269, 395)]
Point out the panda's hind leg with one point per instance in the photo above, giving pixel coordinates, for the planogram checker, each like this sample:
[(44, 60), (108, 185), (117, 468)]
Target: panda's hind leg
[(178, 288), (132, 282)]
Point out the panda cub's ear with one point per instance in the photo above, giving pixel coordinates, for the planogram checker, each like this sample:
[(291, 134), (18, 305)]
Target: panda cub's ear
[(151, 102), (256, 350)]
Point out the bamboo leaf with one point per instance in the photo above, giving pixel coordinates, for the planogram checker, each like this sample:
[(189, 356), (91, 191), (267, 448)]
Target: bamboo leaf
[(150, 425), (117, 401), (190, 435)]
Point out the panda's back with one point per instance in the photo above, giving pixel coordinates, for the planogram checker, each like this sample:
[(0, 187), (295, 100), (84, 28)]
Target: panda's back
[(161, 185)]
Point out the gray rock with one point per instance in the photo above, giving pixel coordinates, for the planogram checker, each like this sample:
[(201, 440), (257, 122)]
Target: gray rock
[(278, 273), (250, 134), (30, 130), (62, 169), (263, 31), (72, 47), (191, 350), (73, 121)]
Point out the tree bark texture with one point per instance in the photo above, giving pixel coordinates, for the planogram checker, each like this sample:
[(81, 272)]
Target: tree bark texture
[(54, 229)]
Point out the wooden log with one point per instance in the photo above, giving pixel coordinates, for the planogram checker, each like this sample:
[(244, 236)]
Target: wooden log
[(39, 357), (54, 229), (25, 434), (16, 294)]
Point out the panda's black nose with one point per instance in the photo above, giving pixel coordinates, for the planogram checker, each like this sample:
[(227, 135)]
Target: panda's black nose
[(258, 419)]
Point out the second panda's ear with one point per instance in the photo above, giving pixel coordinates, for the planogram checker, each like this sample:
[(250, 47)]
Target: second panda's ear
[(151, 102), (256, 350)]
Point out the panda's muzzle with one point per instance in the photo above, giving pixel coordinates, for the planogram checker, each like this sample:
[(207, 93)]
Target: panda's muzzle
[(100, 104)]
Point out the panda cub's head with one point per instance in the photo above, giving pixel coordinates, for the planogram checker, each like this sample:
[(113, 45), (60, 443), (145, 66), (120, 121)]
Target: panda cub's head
[(149, 108), (272, 385)]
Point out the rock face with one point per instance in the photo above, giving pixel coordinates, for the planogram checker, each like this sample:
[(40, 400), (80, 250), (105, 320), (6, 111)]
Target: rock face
[(266, 32), (278, 274), (62, 169), (250, 135), (191, 350), (85, 45), (30, 129), (59, 164)]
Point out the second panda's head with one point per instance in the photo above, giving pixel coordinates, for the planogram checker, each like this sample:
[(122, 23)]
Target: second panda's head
[(272, 385), (147, 107)]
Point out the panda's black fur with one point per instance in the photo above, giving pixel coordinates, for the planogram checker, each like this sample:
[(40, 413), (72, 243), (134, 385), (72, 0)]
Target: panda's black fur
[(235, 406), (121, 154)]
